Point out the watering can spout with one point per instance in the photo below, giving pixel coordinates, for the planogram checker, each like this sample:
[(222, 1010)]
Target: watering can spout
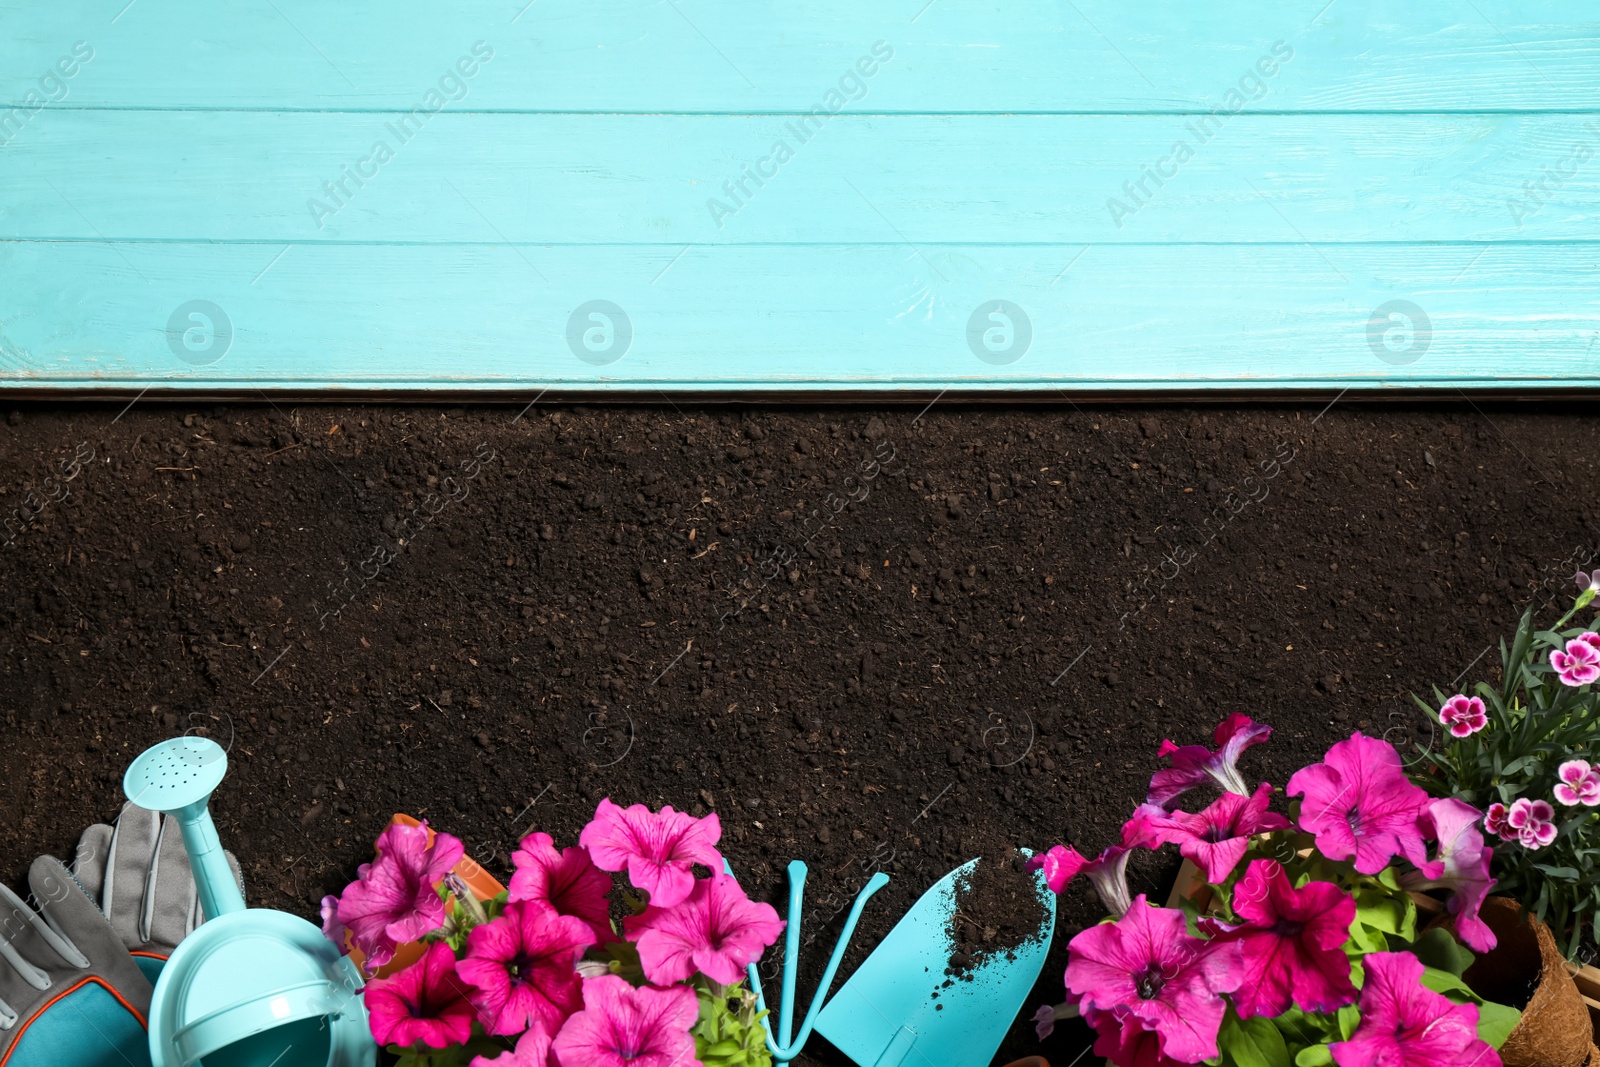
[(177, 777)]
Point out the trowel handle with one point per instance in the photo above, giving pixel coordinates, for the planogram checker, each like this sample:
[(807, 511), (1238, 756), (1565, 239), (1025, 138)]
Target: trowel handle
[(213, 878), (899, 1048)]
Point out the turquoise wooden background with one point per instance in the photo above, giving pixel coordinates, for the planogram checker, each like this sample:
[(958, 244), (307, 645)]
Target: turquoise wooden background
[(821, 194)]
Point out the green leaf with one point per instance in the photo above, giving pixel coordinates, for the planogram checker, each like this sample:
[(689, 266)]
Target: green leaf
[(1447, 983), (1438, 949), (1567, 874), (1252, 1043), (1349, 1018), (1313, 1056), (1496, 1021)]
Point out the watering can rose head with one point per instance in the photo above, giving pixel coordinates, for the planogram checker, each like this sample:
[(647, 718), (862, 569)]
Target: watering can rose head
[(1297, 901)]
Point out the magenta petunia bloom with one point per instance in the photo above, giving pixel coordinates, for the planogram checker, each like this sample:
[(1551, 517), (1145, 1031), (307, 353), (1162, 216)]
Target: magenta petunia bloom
[(1406, 1024), (1192, 765), (1532, 820), (716, 931), (1497, 822), (1462, 865), (533, 1050), (392, 900), (657, 850), (521, 967), (1464, 715), (1293, 943), (1580, 663), (567, 880), (1148, 966), (1044, 1021), (1108, 872), (1580, 783), (621, 1026), (426, 1004), (1125, 1042), (1216, 839), (1358, 802), (332, 928)]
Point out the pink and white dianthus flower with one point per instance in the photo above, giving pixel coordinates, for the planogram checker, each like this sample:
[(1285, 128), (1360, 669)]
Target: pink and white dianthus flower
[(1580, 663), (1533, 822), (1464, 715), (1497, 821), (1580, 784)]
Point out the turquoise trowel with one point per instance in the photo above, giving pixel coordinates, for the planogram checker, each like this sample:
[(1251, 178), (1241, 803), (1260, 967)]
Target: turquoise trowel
[(893, 1011)]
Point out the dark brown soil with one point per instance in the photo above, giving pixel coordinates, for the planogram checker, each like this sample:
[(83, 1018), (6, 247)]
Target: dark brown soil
[(997, 912), (980, 649)]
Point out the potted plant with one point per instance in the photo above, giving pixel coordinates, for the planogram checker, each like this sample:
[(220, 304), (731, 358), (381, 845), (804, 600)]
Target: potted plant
[(1309, 948), (1528, 753), (541, 975)]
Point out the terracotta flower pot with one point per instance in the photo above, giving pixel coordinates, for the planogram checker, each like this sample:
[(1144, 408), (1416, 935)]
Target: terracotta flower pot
[(1555, 1030)]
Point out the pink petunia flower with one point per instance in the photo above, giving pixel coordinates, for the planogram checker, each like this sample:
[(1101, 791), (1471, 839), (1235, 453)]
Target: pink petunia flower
[(657, 849), (332, 928), (1194, 764), (1464, 715), (1044, 1021), (716, 931), (426, 1004), (1580, 783), (1580, 663), (1462, 865), (1406, 1024), (533, 1050), (1292, 940), (521, 967), (621, 1026), (393, 899), (1532, 819), (1358, 802), (1148, 966), (1496, 821), (1107, 871), (567, 880), (1216, 838), (1125, 1042)]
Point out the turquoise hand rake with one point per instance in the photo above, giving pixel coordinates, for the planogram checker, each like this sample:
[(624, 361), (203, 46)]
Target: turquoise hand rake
[(784, 1046)]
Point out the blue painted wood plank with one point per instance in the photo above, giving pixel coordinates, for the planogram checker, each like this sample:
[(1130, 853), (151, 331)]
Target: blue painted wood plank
[(803, 318), (1080, 194), (732, 55), (680, 180)]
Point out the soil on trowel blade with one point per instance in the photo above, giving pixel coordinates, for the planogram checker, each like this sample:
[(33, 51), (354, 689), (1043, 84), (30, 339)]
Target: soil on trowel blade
[(997, 911)]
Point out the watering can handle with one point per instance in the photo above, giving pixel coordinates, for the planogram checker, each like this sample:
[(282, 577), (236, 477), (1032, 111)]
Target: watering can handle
[(227, 1025), (899, 1048)]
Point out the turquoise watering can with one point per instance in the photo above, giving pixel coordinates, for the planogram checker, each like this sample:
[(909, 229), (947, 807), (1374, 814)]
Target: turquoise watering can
[(250, 987)]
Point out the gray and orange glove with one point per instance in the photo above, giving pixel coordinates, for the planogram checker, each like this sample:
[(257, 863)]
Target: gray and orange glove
[(69, 991), (138, 872)]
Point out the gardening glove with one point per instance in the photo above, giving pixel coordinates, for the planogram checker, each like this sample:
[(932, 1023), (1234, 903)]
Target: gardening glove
[(139, 874), (69, 991)]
